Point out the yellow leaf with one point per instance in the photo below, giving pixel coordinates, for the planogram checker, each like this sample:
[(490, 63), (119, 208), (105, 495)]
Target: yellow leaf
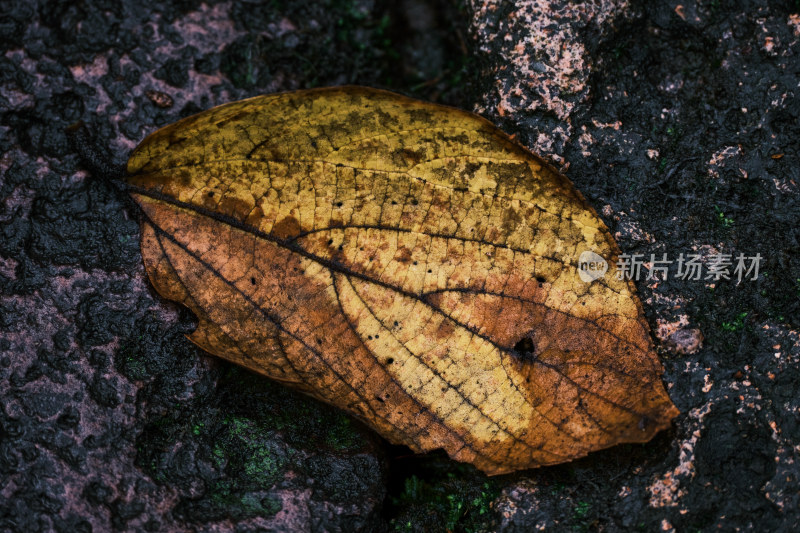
[(406, 262)]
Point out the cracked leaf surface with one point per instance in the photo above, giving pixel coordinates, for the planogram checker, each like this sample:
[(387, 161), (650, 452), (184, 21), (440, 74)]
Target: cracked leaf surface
[(406, 262)]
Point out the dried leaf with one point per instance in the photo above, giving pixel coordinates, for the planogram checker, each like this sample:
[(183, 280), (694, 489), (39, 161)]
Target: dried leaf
[(406, 262)]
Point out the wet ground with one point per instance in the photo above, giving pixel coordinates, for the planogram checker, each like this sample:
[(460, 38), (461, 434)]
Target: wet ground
[(679, 122)]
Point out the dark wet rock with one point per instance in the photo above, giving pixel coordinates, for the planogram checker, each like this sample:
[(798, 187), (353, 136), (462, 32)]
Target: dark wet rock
[(537, 59), (44, 404), (685, 341)]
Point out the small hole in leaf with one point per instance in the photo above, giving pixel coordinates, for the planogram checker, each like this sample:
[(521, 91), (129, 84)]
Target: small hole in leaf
[(210, 194), (252, 281), (525, 345), (379, 399), (389, 361), (540, 279), (525, 349)]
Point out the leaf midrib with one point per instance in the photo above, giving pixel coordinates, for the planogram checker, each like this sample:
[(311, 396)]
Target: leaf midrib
[(336, 266)]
